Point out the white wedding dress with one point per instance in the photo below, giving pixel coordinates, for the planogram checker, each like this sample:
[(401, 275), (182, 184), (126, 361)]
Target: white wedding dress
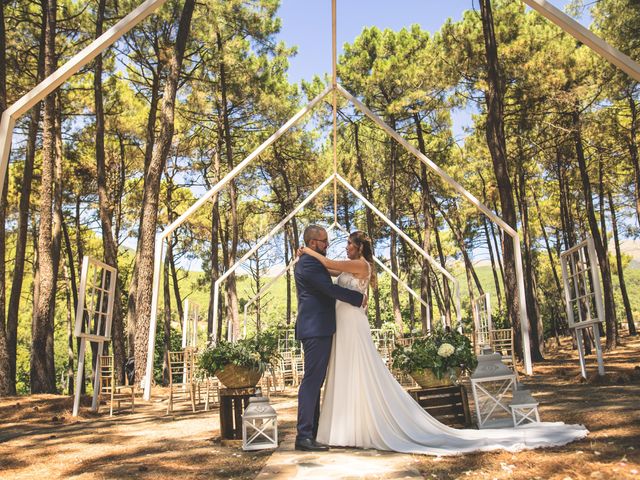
[(365, 407)]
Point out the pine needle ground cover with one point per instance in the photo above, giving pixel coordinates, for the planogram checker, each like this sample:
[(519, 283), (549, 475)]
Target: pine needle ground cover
[(39, 438)]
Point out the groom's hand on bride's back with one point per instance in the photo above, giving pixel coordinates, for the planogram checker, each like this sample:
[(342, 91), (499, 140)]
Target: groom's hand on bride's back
[(365, 301)]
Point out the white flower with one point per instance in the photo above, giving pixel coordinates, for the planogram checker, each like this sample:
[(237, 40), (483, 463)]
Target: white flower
[(446, 350)]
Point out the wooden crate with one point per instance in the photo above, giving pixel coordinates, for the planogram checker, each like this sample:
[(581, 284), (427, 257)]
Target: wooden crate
[(233, 402), (448, 405)]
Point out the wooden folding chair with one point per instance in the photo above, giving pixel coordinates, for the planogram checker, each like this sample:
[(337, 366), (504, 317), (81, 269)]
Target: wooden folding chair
[(501, 341), (297, 361), (211, 392), (108, 386), (181, 376), (287, 368)]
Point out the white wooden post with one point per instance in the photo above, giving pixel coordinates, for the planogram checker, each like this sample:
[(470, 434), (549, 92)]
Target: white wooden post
[(79, 375), (96, 379), (185, 322)]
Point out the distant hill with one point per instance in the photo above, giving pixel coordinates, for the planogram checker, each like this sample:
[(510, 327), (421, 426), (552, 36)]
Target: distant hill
[(632, 248)]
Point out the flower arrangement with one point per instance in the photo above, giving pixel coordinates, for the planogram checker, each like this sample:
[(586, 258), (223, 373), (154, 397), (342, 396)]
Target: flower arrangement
[(444, 353), (247, 358)]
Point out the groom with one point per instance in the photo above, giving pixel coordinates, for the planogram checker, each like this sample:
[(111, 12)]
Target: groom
[(315, 326)]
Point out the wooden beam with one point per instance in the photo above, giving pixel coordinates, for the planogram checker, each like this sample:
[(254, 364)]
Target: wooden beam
[(586, 36)]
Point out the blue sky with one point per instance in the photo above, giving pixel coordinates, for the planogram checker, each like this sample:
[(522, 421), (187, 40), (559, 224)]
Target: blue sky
[(307, 24)]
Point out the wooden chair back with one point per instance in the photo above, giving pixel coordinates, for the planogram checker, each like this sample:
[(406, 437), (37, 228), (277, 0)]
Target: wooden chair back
[(501, 341), (110, 388), (181, 365)]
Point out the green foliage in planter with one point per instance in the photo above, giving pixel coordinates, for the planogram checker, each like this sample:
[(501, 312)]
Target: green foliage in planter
[(440, 352), (255, 353)]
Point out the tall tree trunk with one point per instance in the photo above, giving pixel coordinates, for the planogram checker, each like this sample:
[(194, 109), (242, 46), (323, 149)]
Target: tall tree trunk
[(603, 230), (214, 256), (149, 217), (42, 371), (23, 218), (172, 241), (215, 262), (80, 251), (287, 276), (364, 182), (393, 165), (633, 148), (453, 220), (493, 260), (106, 207), (490, 246), (557, 325), (623, 286), (232, 295), (494, 96), (150, 142), (56, 230), (258, 285), (425, 277), (70, 337), (609, 306), (446, 290), (497, 242), (72, 293), (224, 243), (536, 334), (174, 277), (6, 381), (568, 225)]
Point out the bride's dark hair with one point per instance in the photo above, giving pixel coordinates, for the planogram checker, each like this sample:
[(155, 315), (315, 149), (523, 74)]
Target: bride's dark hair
[(362, 241)]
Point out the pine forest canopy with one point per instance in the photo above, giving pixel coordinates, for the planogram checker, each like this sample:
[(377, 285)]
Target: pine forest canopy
[(125, 146)]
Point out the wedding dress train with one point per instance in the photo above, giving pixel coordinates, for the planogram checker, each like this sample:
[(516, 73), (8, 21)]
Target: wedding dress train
[(365, 407)]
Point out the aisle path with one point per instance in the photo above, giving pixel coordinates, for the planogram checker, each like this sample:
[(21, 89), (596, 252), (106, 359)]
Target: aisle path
[(338, 463)]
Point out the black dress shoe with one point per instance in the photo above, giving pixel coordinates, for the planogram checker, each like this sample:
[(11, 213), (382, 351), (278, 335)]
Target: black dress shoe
[(310, 445)]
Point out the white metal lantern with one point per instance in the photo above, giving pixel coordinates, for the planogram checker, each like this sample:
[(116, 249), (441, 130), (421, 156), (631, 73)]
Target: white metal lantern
[(491, 382), (259, 425)]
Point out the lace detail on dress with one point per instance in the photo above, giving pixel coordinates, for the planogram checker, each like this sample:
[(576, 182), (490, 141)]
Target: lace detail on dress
[(348, 280)]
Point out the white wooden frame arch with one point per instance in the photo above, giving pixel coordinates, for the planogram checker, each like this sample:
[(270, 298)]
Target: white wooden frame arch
[(246, 256), (268, 285), (160, 238), (302, 204), (51, 83)]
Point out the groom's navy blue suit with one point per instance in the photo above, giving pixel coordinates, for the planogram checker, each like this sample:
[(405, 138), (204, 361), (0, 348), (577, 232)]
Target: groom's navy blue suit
[(315, 326)]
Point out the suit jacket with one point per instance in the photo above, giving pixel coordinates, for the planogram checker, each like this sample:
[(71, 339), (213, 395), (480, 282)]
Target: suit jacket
[(317, 296)]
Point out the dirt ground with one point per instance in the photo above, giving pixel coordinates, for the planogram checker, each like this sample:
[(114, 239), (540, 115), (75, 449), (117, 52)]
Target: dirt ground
[(40, 439)]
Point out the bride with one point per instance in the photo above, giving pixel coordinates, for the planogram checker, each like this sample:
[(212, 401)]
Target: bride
[(365, 407)]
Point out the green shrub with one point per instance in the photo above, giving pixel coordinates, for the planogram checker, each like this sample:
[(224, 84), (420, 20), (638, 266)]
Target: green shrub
[(256, 352), (440, 352)]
